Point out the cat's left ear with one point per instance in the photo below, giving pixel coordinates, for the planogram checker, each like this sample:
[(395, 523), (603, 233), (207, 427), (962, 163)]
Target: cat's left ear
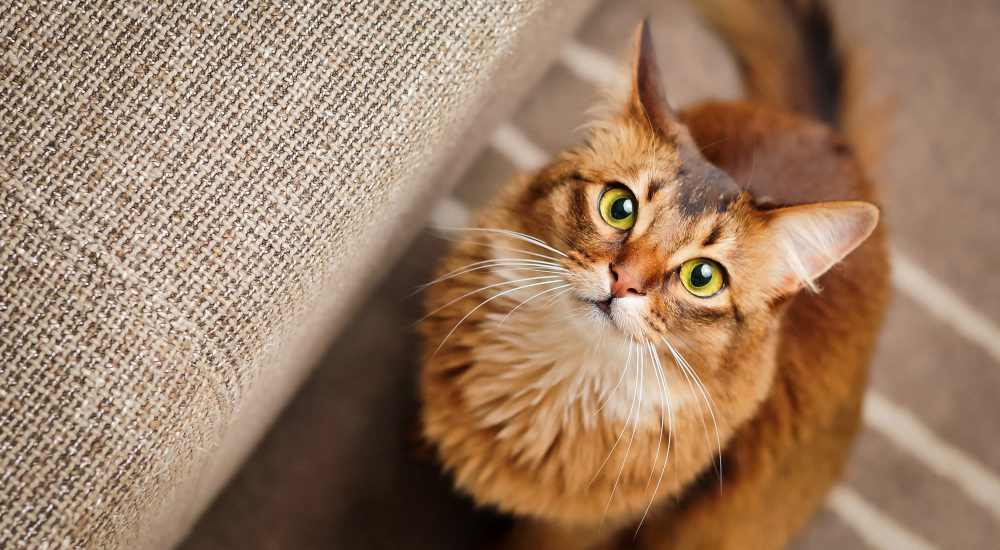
[(808, 240), (647, 100)]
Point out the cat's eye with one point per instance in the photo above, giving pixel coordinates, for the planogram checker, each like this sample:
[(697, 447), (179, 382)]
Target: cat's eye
[(618, 208), (702, 277)]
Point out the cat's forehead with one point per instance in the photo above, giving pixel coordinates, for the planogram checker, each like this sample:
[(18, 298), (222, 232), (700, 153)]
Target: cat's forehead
[(692, 187), (673, 174), (702, 188), (691, 202)]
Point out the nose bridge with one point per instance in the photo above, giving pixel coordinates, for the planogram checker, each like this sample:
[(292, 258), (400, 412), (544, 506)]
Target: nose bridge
[(638, 259)]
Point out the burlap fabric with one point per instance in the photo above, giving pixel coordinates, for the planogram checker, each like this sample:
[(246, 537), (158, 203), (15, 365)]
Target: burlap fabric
[(182, 186)]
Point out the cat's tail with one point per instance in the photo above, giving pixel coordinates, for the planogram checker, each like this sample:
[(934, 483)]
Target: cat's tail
[(790, 58)]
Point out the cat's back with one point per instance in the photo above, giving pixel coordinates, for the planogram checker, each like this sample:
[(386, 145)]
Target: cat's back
[(781, 158)]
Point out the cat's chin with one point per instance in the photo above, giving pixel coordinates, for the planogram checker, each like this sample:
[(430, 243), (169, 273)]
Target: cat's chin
[(609, 314)]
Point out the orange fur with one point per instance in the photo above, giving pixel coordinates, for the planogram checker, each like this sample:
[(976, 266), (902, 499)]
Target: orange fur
[(541, 405)]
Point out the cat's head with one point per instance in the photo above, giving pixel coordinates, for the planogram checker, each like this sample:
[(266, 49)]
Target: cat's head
[(661, 243)]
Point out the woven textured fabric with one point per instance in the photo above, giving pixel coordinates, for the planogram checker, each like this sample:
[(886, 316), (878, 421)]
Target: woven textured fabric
[(179, 183)]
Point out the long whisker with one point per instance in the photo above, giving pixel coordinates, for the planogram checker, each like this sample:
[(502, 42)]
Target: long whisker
[(483, 303), (537, 265), (508, 267), (514, 234), (685, 350), (702, 404), (608, 395), (487, 287), (665, 387), (533, 296), (707, 397), (587, 389), (495, 246), (527, 261), (659, 439), (628, 449), (679, 359), (710, 403), (625, 427), (556, 296)]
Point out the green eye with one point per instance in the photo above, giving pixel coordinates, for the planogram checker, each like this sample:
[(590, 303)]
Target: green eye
[(618, 208), (702, 277)]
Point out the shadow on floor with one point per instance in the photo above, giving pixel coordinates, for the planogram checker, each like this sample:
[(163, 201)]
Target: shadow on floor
[(342, 467)]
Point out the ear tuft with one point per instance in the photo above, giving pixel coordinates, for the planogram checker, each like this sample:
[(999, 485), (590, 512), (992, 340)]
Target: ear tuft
[(813, 238), (647, 98)]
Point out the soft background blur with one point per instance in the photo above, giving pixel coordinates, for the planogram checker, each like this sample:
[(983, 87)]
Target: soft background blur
[(339, 469)]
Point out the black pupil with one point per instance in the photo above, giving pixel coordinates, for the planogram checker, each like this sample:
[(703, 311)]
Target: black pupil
[(621, 208), (701, 275)]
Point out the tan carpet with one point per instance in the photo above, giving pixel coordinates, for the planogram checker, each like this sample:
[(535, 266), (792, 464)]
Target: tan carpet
[(336, 472)]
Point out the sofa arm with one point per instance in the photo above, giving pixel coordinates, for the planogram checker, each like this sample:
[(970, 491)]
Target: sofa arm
[(190, 200)]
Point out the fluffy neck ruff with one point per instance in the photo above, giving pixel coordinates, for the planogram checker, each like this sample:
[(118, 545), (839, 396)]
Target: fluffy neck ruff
[(546, 413)]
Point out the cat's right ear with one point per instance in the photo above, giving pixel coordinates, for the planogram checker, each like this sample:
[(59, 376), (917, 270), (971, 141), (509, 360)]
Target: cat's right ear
[(810, 239), (647, 101)]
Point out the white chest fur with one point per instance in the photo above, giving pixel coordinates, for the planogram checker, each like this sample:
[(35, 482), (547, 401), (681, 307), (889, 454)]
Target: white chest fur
[(575, 367)]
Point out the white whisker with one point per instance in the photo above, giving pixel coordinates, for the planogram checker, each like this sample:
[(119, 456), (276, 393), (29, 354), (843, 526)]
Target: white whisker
[(628, 449), (679, 360), (659, 439), (607, 396), (556, 296), (690, 376), (665, 387), (497, 262), (702, 404), (495, 246), (594, 349), (514, 234), (487, 287), (483, 303), (624, 428), (533, 296)]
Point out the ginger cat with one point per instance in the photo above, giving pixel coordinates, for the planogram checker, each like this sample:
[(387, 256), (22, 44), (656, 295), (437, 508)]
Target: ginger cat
[(660, 339)]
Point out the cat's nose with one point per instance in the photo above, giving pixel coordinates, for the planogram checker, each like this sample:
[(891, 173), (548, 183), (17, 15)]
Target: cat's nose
[(624, 283)]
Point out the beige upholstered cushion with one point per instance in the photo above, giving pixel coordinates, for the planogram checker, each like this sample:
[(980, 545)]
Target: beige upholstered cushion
[(184, 190)]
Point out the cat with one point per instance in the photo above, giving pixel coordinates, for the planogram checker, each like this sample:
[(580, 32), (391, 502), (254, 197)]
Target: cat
[(661, 338)]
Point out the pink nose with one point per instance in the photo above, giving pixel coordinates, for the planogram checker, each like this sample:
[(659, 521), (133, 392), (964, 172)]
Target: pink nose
[(624, 283)]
